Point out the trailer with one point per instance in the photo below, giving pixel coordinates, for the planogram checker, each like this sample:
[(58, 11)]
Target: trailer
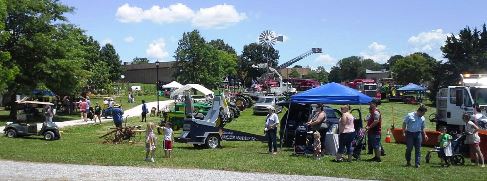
[(208, 131)]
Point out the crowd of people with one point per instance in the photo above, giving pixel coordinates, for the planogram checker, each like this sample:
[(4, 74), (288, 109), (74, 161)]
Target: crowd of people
[(413, 130)]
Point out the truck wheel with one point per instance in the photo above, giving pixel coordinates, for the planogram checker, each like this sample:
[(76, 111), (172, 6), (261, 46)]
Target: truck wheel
[(212, 141), (49, 135), (11, 133)]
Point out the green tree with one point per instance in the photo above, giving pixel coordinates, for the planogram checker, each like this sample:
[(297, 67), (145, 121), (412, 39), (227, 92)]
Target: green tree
[(199, 62), (7, 72), (392, 61), (109, 55), (298, 66), (254, 54), (321, 74), (465, 53), (138, 60), (351, 68), (418, 64), (294, 74), (219, 44)]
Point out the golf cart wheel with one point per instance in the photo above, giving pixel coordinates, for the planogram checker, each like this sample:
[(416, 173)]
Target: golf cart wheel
[(212, 141), (457, 160), (428, 157), (49, 135), (11, 133)]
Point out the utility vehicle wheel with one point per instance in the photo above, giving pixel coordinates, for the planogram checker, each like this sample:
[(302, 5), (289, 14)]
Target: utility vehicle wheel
[(11, 133), (212, 141), (49, 135), (457, 160), (428, 157), (240, 102)]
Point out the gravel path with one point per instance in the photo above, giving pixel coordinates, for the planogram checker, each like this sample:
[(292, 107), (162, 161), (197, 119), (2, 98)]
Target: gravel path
[(12, 170), (135, 111)]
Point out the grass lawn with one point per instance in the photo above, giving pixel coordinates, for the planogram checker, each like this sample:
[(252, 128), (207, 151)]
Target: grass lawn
[(81, 145)]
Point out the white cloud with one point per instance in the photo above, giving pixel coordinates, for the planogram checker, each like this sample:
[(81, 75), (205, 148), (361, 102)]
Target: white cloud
[(326, 61), (157, 49), (128, 14), (376, 52), (129, 39), (107, 41), (429, 42), (218, 16), (174, 13)]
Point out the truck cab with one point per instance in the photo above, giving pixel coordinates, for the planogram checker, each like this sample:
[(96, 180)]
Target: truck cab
[(452, 102)]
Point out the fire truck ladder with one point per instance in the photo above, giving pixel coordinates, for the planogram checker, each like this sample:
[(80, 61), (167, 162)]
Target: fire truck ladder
[(298, 58)]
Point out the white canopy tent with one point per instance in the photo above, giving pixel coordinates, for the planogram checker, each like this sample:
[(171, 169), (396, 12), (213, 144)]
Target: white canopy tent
[(186, 87), (173, 84)]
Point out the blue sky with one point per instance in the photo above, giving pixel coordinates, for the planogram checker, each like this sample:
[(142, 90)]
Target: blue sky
[(373, 29)]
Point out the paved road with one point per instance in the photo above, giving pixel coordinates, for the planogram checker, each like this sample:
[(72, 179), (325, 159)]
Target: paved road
[(12, 170), (135, 111)]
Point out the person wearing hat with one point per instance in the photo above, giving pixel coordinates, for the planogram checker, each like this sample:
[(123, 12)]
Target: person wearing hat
[(271, 123), (117, 115)]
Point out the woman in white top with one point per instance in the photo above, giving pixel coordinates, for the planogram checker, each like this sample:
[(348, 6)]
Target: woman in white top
[(473, 139)]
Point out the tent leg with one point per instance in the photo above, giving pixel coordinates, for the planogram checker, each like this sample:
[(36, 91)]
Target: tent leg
[(285, 127)]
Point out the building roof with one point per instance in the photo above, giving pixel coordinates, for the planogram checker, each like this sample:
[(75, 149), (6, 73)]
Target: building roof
[(149, 65), (367, 71)]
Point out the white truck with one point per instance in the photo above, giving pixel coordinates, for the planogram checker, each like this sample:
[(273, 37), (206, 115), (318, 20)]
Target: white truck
[(452, 102)]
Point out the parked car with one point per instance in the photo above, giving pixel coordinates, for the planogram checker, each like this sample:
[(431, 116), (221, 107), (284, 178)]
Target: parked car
[(263, 104)]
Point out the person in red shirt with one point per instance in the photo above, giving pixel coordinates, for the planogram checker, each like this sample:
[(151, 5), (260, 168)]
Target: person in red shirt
[(373, 128)]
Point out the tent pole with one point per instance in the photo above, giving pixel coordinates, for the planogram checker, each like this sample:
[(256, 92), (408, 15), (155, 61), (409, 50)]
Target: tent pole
[(285, 126)]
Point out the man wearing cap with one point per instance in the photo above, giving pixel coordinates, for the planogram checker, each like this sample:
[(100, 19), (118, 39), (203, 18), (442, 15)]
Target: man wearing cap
[(271, 123), (117, 115)]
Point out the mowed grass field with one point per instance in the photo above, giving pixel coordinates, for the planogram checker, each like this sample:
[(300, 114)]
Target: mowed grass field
[(82, 145)]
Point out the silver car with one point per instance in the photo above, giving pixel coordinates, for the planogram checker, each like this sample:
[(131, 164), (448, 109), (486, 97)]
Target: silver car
[(263, 104)]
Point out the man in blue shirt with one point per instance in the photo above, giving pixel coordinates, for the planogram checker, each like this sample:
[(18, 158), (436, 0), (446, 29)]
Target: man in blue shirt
[(144, 111), (413, 127), (117, 114)]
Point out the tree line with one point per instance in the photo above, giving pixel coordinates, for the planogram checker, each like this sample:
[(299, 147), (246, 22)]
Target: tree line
[(39, 48)]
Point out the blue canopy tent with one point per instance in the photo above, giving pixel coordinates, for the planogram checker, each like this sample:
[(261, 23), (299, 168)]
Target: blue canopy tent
[(331, 93), (413, 88)]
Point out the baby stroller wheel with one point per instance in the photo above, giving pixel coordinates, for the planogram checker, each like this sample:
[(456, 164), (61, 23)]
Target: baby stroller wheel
[(428, 157), (457, 160)]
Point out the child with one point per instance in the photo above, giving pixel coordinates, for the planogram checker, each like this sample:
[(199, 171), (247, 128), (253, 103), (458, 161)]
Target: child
[(317, 145), (167, 139), (445, 146), (150, 142)]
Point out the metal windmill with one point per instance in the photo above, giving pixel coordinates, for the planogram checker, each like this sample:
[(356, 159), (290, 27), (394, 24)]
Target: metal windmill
[(269, 38)]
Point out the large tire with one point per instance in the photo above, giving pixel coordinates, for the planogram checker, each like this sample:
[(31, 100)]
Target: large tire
[(212, 141), (241, 103), (11, 133), (49, 135)]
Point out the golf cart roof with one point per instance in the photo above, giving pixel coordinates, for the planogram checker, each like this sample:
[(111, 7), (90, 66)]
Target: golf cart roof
[(33, 102)]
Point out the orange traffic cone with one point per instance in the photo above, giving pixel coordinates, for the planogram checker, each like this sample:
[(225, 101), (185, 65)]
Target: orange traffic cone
[(388, 136)]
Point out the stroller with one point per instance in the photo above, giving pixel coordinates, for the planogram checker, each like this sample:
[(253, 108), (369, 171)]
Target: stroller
[(457, 156), (358, 143), (91, 113), (300, 140)]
